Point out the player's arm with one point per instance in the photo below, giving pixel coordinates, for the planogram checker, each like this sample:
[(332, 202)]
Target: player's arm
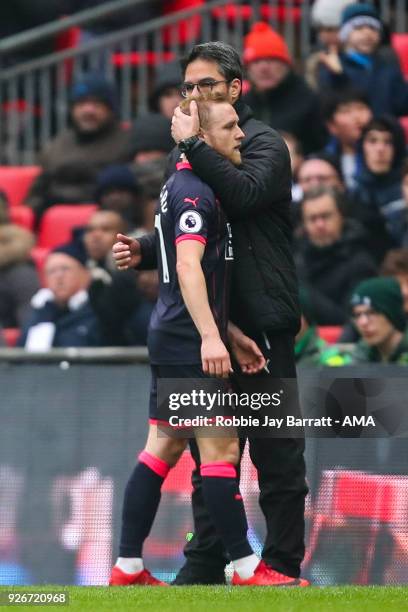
[(215, 357)]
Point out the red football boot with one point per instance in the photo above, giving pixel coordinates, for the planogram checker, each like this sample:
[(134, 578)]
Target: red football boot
[(143, 578), (266, 576)]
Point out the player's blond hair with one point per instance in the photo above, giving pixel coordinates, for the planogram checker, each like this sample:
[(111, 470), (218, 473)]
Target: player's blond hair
[(204, 103)]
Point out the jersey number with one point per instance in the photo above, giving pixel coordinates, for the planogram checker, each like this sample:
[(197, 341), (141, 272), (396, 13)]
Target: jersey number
[(165, 266)]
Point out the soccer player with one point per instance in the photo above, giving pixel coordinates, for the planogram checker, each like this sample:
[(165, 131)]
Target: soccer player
[(187, 339), (256, 199)]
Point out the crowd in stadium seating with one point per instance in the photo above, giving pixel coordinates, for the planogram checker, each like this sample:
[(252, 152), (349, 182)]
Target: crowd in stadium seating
[(341, 122)]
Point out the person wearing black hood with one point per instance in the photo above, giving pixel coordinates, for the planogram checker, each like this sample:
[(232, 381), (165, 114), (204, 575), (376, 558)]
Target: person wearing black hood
[(166, 94), (332, 256), (383, 151), (70, 163), (150, 138)]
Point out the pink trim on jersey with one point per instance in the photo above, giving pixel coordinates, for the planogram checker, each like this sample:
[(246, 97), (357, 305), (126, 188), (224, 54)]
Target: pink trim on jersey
[(191, 237), (219, 469), (158, 422), (183, 166), (156, 464)]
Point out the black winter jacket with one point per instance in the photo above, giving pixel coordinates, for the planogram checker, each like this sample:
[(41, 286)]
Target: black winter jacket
[(330, 273), (256, 199), (292, 106)]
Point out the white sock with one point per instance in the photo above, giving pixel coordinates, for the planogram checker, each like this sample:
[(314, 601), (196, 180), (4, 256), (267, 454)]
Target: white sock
[(130, 565), (246, 566)]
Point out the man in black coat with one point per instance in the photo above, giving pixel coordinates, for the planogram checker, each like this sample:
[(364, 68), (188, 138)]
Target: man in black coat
[(332, 257), (278, 96), (264, 301)]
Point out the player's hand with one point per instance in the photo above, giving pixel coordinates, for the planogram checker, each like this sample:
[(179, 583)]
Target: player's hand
[(248, 355), (215, 357), (126, 252), (182, 125), (331, 59)]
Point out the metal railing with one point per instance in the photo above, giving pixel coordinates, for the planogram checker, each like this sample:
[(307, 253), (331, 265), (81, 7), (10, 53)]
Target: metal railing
[(111, 354), (34, 95)]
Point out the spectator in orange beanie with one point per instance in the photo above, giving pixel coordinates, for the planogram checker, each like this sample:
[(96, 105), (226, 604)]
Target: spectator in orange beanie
[(278, 96)]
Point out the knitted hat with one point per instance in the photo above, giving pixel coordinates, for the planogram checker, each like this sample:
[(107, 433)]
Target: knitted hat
[(356, 16), (383, 294), (73, 249), (327, 13), (116, 177), (263, 42), (95, 86), (168, 75), (151, 132)]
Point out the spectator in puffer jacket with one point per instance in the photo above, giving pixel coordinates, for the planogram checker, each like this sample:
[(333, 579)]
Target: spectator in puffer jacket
[(326, 20), (360, 64)]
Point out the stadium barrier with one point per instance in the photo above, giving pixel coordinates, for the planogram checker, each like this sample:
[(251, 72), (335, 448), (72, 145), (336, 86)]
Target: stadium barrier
[(34, 94), (72, 423)]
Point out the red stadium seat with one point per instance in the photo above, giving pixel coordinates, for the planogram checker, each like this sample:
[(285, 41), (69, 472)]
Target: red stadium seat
[(58, 222), (69, 39), (281, 13), (330, 333), (39, 255), (11, 335), (16, 181), (150, 58), (188, 29), (373, 499), (400, 46), (404, 124), (23, 216)]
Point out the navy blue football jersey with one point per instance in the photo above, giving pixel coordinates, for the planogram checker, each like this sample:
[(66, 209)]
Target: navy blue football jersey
[(188, 210)]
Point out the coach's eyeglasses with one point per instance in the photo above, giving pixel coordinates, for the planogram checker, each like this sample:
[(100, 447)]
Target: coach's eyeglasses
[(204, 86)]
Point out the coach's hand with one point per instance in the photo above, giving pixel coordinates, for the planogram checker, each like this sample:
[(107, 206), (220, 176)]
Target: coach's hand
[(126, 252), (182, 125), (215, 357), (245, 350), (248, 356)]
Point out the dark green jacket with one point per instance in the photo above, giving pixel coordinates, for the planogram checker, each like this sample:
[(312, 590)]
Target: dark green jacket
[(310, 348), (369, 354)]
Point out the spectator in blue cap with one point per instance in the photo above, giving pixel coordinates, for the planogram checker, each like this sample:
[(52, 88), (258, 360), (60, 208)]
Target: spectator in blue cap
[(361, 65), (93, 140)]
